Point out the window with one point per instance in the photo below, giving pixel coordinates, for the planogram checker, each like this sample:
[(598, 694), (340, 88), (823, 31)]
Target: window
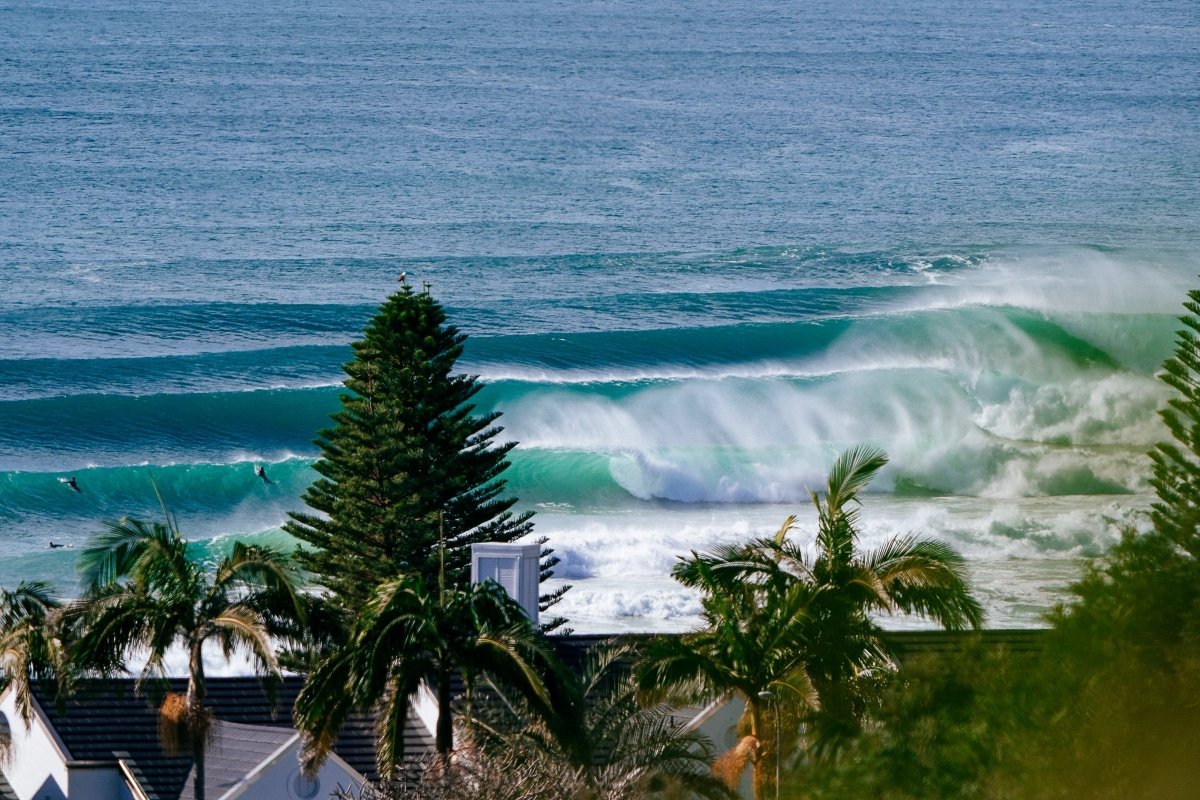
[(502, 570), (304, 787)]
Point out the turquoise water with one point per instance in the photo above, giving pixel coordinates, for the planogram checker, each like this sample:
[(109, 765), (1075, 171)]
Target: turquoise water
[(699, 250)]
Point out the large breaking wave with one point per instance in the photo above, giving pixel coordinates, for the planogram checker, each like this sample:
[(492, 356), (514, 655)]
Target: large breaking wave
[(653, 393)]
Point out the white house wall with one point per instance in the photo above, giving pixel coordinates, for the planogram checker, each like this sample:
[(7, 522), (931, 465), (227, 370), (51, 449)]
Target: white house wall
[(276, 780), (37, 770), (720, 725), (96, 783)]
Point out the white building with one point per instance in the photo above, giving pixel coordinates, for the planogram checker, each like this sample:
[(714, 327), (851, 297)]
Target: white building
[(103, 745)]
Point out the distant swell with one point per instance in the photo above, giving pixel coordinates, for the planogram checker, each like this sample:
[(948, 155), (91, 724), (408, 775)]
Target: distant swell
[(56, 433), (236, 370), (965, 339), (172, 329)]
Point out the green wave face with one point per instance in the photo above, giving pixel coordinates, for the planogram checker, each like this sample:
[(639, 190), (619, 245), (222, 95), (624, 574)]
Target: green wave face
[(995, 401)]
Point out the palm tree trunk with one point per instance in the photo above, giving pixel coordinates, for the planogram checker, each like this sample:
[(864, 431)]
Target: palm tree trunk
[(198, 760), (756, 726), (197, 730), (445, 729)]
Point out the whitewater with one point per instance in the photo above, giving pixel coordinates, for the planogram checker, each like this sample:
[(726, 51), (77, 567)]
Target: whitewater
[(697, 256)]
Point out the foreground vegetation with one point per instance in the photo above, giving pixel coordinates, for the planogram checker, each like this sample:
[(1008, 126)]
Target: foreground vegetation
[(790, 634), (1106, 710)]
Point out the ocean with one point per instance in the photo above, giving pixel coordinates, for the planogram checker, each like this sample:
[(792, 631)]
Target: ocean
[(699, 249)]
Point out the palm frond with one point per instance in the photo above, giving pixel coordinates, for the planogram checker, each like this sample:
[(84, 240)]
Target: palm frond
[(15, 669), (392, 711), (116, 620), (872, 591), (264, 572), (952, 609), (155, 670), (673, 669), (850, 474), (29, 642), (605, 659), (928, 578), (788, 557), (30, 602), (512, 647), (322, 707), (796, 690), (721, 565), (781, 535), (142, 551), (246, 627)]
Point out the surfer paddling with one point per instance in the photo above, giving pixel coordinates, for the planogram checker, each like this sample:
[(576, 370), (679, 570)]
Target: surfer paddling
[(55, 546)]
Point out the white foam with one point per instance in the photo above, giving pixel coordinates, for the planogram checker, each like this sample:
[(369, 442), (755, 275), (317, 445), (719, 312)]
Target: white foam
[(1117, 409), (766, 441), (1021, 553), (1067, 280), (216, 664)]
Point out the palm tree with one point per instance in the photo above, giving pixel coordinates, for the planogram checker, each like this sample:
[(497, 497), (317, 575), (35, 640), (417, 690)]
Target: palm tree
[(406, 636), (143, 595), (29, 646), (598, 742), (823, 602), (904, 575), (752, 646)]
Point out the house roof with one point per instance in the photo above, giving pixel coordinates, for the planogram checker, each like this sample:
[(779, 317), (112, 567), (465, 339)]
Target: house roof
[(107, 720), (1014, 640), (6, 791), (573, 648), (234, 752)]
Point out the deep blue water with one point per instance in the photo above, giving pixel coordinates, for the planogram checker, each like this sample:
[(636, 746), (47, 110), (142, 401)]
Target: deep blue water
[(699, 248), (222, 130)]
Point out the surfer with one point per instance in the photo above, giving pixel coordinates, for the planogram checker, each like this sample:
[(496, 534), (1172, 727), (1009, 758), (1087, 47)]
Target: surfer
[(54, 546), (71, 482), (262, 473)]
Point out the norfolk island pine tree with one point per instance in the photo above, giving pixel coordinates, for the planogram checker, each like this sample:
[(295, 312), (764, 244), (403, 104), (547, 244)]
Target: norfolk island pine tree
[(407, 464)]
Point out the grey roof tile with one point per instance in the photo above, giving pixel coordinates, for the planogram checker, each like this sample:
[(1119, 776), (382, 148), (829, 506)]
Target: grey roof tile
[(235, 751), (106, 717), (6, 791)]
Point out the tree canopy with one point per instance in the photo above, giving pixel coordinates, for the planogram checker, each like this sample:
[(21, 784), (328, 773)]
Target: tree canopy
[(790, 633), (406, 636), (144, 593), (407, 464)]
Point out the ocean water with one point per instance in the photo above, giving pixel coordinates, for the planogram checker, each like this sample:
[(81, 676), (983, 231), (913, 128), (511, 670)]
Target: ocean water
[(699, 249)]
